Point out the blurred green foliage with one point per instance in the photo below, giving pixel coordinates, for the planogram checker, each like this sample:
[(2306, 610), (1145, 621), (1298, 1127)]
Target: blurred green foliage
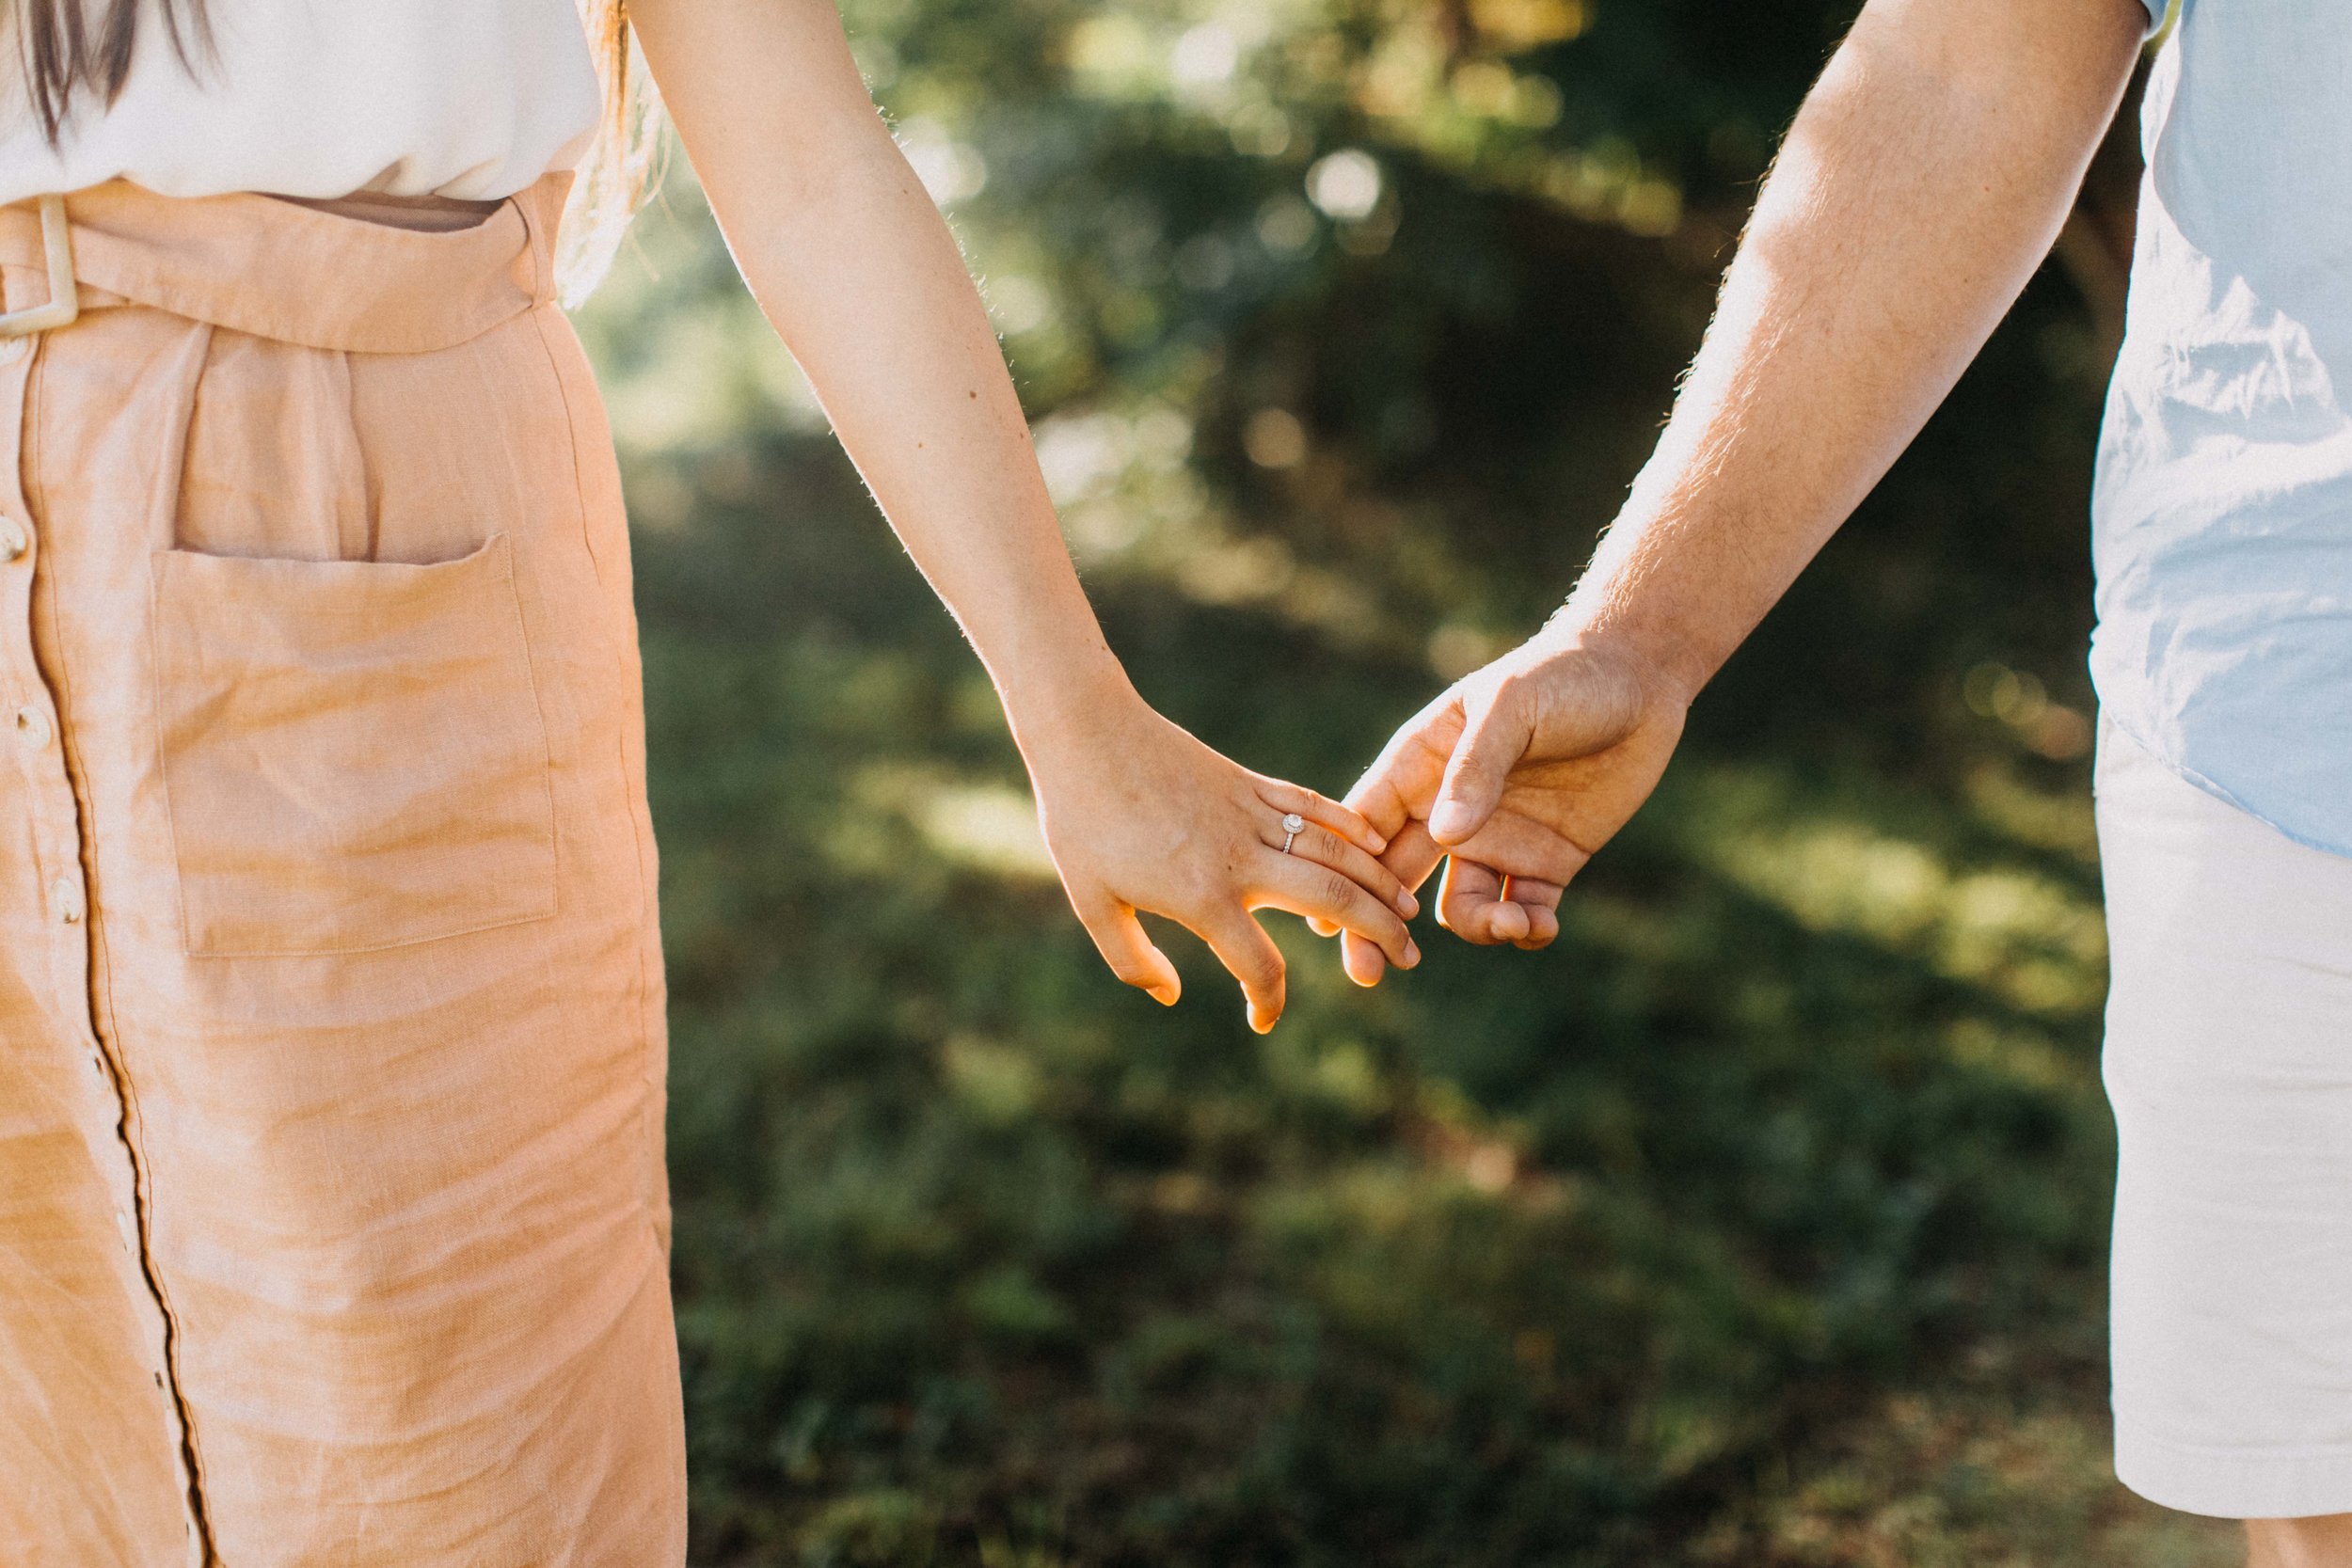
[(1759, 1222)]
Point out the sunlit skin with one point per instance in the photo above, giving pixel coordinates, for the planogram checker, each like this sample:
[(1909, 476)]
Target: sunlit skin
[(1925, 178), (1922, 182), (2322, 1542), (860, 275)]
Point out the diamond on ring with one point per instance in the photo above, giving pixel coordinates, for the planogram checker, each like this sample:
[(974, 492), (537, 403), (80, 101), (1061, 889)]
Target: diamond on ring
[(1293, 825)]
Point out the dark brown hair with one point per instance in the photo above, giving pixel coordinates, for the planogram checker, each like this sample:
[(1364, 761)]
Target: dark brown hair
[(69, 52)]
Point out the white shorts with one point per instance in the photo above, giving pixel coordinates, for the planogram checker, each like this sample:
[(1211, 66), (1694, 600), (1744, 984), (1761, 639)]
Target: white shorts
[(2229, 1062)]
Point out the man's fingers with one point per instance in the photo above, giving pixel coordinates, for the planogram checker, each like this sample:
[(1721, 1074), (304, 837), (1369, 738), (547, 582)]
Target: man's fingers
[(1472, 906), (1304, 888), (1402, 779), (1480, 905), (1243, 947), (1395, 796), (1494, 740), (1541, 900), (1119, 937), (1412, 854), (1519, 846)]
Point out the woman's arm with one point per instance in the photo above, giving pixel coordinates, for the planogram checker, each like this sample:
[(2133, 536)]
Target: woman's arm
[(859, 274)]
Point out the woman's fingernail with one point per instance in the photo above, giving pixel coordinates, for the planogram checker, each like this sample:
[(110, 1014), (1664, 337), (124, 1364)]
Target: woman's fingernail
[(1412, 953), (1407, 905), (1164, 995)]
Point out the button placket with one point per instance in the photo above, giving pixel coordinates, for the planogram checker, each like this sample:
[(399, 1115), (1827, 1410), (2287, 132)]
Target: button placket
[(34, 726)]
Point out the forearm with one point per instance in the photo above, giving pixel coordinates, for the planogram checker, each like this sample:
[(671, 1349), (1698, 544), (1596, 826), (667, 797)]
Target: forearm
[(1925, 178), (871, 293), (863, 280)]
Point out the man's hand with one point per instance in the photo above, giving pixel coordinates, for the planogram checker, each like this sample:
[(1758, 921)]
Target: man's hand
[(1925, 178), (1519, 772)]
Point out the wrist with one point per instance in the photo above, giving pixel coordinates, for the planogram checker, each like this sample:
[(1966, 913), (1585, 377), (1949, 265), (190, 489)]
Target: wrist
[(1051, 704), (1665, 671)]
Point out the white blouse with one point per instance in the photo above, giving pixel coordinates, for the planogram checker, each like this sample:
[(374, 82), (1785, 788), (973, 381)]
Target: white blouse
[(472, 99)]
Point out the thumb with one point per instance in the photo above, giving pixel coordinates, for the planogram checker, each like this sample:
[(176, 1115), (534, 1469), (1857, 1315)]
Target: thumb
[(1493, 739)]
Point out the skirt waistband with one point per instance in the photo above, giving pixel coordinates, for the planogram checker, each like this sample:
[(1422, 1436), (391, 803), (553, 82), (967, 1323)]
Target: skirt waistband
[(292, 272)]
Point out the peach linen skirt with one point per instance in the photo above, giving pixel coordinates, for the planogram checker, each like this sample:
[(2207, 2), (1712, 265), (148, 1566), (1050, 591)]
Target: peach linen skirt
[(333, 1225)]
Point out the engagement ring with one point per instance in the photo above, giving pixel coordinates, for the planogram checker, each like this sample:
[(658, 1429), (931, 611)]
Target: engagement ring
[(1293, 825)]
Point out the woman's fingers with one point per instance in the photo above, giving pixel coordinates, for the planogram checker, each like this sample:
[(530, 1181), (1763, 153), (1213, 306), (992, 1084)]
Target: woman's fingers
[(1476, 903), (1119, 937), (1411, 857), (1324, 811), (1305, 888), (1412, 854), (1325, 848), (1243, 947), (1332, 873)]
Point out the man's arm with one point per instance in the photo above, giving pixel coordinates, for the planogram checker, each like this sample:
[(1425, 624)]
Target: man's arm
[(1924, 180)]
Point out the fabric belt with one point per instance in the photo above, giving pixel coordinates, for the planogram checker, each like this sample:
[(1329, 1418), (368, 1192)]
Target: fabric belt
[(292, 272)]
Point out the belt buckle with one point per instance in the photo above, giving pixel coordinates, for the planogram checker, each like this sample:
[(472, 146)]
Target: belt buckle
[(65, 297)]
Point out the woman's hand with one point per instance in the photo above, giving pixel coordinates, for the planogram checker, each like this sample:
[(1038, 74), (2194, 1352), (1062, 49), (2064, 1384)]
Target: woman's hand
[(1141, 817), (863, 280)]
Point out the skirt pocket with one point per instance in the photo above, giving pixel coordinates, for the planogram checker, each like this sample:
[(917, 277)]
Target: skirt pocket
[(353, 751)]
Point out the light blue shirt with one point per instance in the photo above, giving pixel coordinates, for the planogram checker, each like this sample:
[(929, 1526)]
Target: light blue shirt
[(2222, 512)]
